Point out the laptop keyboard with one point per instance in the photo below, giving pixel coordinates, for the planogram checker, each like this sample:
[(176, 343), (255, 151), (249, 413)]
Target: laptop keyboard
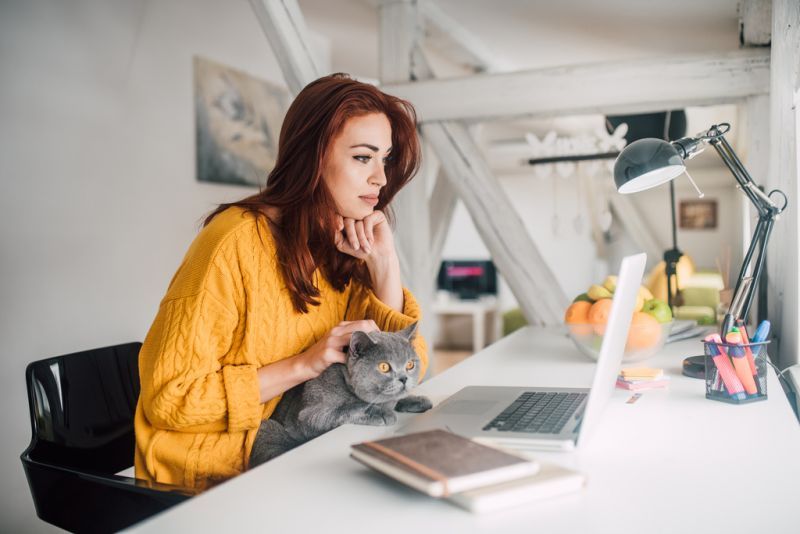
[(541, 412)]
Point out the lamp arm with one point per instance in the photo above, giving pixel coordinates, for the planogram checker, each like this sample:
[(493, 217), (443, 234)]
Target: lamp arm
[(745, 285), (741, 175), (768, 211)]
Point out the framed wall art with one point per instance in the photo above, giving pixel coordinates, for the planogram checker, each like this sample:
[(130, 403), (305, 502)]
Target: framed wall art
[(237, 122)]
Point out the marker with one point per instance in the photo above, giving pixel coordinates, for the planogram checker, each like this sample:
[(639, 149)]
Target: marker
[(747, 351), (740, 362), (732, 384), (762, 332), (750, 359)]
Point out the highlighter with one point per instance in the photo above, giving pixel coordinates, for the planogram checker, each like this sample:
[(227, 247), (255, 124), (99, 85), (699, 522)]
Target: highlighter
[(737, 354), (732, 384), (747, 352)]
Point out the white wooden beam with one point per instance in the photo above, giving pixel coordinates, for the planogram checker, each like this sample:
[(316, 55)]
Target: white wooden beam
[(442, 206), (636, 227), (398, 35), (752, 147), (454, 40), (620, 87), (755, 22), (782, 262), (502, 230), (285, 28)]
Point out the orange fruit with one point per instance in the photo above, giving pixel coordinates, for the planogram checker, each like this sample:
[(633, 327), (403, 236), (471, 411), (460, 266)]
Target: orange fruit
[(598, 315), (577, 316), (578, 312), (645, 331)]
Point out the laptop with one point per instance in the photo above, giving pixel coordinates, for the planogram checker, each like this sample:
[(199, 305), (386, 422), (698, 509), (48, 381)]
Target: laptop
[(542, 418)]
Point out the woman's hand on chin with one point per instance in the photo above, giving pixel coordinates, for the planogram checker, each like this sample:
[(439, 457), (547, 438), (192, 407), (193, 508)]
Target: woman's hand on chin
[(369, 239)]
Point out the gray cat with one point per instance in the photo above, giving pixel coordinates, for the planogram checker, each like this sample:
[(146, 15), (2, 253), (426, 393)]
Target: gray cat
[(381, 367)]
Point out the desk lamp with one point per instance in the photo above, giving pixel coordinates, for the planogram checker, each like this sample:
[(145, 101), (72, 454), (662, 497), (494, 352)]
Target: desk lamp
[(647, 163)]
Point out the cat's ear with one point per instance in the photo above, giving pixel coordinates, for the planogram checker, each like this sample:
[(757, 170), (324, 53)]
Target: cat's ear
[(409, 332), (360, 340)]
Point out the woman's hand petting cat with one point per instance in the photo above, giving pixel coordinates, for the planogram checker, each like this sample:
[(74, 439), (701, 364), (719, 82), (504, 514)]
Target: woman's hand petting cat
[(332, 347), (367, 239)]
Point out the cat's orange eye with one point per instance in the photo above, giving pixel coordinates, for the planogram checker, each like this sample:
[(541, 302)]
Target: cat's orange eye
[(384, 367), (410, 365)]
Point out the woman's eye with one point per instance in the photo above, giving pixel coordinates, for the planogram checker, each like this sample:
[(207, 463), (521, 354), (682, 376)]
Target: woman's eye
[(384, 367), (410, 365), (363, 159)]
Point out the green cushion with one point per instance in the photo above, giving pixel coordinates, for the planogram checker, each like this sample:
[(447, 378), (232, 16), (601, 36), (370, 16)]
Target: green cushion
[(513, 320), (700, 296), (704, 315)]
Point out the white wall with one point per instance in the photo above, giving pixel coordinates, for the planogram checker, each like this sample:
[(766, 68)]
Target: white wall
[(99, 200)]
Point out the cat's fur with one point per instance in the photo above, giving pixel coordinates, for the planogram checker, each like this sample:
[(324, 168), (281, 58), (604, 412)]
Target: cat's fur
[(355, 392)]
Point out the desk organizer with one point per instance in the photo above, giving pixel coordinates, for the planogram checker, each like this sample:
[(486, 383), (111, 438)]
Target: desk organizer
[(736, 373)]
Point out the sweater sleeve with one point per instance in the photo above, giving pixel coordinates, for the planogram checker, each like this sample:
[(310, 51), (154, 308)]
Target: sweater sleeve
[(185, 387), (363, 304)]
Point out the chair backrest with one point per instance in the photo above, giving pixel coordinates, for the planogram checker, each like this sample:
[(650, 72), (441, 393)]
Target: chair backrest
[(82, 408)]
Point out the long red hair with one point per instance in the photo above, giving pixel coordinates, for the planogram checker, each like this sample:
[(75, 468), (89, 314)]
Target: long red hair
[(304, 235)]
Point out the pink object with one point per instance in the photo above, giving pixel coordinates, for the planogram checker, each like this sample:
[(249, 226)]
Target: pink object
[(642, 386), (732, 384), (737, 354), (747, 351)]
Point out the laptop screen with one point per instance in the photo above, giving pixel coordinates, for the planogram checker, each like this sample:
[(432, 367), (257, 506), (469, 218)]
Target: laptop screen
[(610, 359)]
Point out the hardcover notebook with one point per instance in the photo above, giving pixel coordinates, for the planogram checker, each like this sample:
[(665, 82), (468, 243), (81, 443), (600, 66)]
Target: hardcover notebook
[(550, 481), (441, 463)]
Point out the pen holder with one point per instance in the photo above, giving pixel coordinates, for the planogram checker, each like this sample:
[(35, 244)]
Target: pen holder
[(736, 373)]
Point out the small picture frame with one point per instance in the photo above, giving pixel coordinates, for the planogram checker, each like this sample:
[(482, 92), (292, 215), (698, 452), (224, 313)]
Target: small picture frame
[(698, 214)]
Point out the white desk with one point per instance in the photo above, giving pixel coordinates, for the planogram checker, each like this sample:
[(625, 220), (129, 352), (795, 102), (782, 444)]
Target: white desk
[(671, 462)]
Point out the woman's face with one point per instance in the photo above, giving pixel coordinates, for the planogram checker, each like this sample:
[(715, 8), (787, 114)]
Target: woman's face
[(353, 170)]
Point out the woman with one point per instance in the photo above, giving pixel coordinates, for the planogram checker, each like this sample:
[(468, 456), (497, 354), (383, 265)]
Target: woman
[(274, 285)]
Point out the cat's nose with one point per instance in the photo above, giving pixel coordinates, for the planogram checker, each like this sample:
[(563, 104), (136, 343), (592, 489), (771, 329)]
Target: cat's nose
[(403, 379)]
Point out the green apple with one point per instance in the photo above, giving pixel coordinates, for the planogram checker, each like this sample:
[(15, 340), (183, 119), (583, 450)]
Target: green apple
[(658, 309), (582, 297)]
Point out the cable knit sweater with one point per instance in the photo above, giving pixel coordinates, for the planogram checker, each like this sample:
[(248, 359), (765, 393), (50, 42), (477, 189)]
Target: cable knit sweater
[(226, 313)]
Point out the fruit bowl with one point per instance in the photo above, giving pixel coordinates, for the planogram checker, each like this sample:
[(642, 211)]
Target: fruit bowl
[(644, 340)]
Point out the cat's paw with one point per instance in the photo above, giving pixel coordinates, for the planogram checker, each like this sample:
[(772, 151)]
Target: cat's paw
[(380, 417), (413, 404)]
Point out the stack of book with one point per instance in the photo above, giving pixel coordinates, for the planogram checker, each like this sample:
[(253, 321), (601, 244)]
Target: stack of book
[(471, 475), (642, 378)]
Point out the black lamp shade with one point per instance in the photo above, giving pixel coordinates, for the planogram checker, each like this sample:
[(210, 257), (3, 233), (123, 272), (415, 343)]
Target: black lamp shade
[(646, 163)]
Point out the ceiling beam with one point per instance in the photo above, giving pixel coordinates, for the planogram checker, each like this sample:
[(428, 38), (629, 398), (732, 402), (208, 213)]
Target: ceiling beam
[(503, 232), (755, 22), (619, 87), (454, 40), (288, 36)]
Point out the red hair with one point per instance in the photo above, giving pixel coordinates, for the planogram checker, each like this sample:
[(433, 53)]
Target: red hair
[(305, 233)]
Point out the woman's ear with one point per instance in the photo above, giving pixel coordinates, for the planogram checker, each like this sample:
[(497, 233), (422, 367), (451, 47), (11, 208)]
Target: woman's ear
[(409, 332)]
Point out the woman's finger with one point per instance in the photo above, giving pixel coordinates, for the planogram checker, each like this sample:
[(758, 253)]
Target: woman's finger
[(339, 241), (350, 230), (362, 236), (339, 342), (369, 224)]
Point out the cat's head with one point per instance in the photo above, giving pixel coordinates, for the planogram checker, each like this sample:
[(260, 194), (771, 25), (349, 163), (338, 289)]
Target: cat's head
[(383, 365)]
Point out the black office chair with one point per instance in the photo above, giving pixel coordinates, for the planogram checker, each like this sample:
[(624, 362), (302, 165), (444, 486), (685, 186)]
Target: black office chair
[(82, 407)]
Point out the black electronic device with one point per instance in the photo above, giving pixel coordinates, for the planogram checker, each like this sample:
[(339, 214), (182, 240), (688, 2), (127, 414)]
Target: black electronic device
[(469, 279)]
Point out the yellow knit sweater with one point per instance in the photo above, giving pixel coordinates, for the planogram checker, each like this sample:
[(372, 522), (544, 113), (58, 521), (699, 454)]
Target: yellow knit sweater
[(226, 313)]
